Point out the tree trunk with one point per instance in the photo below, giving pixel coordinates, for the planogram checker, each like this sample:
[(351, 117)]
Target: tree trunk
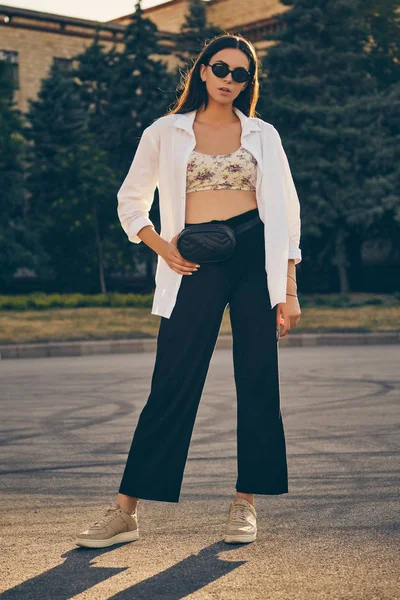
[(99, 250), (341, 259)]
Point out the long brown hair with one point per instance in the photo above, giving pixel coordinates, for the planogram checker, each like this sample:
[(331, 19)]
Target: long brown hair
[(195, 95)]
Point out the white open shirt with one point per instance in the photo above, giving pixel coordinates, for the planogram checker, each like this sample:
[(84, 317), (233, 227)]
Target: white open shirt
[(161, 161)]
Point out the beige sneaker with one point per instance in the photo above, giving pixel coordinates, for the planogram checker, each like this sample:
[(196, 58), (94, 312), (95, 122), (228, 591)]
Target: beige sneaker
[(242, 524), (116, 526)]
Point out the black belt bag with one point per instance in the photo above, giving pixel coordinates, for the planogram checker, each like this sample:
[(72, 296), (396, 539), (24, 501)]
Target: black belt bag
[(210, 242)]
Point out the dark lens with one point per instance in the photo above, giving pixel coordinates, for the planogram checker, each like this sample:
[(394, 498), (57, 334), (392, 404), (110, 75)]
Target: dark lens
[(220, 70), (240, 75)]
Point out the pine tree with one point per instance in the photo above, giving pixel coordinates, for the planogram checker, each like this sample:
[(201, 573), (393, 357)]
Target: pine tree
[(140, 89), (71, 184), (93, 74), (378, 163), (195, 31), (57, 123), (318, 78), (19, 246), (383, 18)]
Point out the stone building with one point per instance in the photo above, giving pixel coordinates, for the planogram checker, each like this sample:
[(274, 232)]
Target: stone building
[(30, 40)]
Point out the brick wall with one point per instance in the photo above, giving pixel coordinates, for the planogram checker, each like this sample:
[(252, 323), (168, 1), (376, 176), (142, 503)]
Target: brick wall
[(227, 14), (235, 13), (36, 50), (167, 17)]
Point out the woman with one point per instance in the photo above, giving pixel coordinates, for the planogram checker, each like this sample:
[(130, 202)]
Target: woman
[(213, 162)]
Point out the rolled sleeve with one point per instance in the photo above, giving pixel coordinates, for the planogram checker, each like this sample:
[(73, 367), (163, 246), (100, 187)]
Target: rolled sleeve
[(136, 194), (292, 204), (295, 253)]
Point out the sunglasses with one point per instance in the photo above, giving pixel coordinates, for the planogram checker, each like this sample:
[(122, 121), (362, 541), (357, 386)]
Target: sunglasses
[(221, 70)]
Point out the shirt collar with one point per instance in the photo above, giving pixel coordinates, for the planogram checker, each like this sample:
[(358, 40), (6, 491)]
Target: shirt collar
[(185, 121)]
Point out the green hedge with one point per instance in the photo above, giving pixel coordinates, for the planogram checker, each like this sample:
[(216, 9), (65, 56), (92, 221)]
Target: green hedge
[(339, 301), (42, 301)]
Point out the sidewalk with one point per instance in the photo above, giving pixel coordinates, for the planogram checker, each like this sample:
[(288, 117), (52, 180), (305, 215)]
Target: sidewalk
[(87, 348)]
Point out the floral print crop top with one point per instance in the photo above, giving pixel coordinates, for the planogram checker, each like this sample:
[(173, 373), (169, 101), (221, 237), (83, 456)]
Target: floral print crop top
[(234, 171)]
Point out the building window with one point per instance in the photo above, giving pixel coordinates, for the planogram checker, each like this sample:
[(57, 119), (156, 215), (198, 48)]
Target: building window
[(10, 61), (64, 63)]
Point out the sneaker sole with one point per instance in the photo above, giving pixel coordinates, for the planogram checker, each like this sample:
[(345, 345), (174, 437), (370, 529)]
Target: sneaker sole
[(238, 539), (127, 536)]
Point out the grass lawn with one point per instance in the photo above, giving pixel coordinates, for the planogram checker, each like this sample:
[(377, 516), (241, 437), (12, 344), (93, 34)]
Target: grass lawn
[(99, 323)]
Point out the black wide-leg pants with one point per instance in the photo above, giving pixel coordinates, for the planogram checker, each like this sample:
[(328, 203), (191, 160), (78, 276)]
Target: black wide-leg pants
[(185, 344)]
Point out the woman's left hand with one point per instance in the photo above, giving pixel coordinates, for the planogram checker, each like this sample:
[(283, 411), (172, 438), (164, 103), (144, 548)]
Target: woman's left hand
[(288, 315)]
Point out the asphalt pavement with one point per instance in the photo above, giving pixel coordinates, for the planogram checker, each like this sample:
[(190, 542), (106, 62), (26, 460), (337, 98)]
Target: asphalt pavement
[(66, 428)]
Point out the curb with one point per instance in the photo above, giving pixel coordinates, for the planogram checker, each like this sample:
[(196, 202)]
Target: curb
[(91, 348)]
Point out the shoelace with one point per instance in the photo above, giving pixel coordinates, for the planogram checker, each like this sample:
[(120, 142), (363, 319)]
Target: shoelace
[(105, 518), (239, 513)]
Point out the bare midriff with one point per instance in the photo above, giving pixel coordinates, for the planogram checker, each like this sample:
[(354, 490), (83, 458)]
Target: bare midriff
[(207, 205)]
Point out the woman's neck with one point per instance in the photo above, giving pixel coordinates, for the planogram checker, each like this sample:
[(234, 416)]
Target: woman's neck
[(216, 113)]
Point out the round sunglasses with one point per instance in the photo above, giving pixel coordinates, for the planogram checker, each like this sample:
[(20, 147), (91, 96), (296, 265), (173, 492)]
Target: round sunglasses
[(221, 70)]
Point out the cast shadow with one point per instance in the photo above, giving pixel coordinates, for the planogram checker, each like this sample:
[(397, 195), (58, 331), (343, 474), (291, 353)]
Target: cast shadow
[(77, 574)]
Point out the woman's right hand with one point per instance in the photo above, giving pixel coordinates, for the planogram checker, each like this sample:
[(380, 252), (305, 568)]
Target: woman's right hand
[(175, 260)]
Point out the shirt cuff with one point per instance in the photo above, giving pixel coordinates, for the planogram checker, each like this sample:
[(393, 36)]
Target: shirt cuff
[(136, 226), (296, 254)]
